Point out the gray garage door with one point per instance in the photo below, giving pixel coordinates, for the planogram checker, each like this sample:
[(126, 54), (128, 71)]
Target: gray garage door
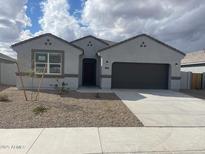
[(140, 76)]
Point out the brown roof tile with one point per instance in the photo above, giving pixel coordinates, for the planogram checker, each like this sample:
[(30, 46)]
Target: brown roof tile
[(194, 57)]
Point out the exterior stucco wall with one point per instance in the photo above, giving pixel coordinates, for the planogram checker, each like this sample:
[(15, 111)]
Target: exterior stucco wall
[(47, 83), (90, 52), (194, 69), (131, 51), (106, 83), (186, 78), (203, 82), (71, 59), (8, 74)]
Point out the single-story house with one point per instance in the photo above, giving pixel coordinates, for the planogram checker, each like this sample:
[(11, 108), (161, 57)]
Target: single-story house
[(7, 70), (140, 62), (194, 62)]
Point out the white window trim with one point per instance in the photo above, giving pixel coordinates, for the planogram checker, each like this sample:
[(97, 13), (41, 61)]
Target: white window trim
[(47, 63)]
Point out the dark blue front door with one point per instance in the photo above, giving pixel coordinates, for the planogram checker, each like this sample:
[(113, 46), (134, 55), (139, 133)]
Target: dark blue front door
[(89, 72)]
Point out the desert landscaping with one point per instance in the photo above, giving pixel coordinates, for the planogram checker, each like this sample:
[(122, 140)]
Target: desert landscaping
[(72, 109)]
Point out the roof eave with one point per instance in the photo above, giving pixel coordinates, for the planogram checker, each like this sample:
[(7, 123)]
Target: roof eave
[(7, 60), (193, 63), (46, 34)]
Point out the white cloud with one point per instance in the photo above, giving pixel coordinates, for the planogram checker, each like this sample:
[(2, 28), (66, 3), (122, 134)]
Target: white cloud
[(56, 19), (179, 23), (13, 20)]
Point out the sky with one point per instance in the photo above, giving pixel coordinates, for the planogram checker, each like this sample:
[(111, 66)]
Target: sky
[(179, 23)]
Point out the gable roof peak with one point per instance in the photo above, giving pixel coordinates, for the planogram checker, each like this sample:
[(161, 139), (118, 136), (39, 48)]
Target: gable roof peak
[(94, 37), (140, 35), (46, 34)]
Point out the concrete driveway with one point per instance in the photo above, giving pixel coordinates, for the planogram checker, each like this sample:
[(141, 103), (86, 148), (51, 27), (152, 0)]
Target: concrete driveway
[(164, 107)]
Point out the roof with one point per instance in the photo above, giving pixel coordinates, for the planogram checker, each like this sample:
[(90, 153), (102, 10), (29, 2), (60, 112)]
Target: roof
[(194, 58), (106, 42), (109, 42), (132, 38), (43, 35), (6, 59)]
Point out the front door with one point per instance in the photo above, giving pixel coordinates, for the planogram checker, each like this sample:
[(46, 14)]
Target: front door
[(89, 72)]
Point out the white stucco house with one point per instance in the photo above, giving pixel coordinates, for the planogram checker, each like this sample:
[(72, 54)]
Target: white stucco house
[(194, 62), (7, 70), (141, 62)]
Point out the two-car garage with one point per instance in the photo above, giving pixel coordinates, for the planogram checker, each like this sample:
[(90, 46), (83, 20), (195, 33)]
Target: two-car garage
[(140, 75), (141, 62)]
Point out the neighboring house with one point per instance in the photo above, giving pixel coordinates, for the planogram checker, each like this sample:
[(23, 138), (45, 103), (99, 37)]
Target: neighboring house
[(141, 62), (194, 62), (7, 70)]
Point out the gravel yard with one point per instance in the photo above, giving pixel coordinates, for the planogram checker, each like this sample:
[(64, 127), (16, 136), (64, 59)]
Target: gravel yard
[(71, 110), (3, 87)]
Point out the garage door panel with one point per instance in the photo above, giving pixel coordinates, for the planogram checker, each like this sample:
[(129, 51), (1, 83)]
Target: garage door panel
[(140, 76)]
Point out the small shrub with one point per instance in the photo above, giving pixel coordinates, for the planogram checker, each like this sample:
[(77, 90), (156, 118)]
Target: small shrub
[(40, 110), (61, 87), (97, 95), (4, 97)]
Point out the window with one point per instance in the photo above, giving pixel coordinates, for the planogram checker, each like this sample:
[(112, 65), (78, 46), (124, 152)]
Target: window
[(48, 62)]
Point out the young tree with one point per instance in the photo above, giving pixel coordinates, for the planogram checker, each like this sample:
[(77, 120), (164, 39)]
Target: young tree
[(32, 75), (40, 82), (21, 80)]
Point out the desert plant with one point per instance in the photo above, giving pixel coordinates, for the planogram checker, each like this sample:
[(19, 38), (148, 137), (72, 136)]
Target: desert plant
[(97, 95), (40, 82), (40, 110), (61, 87), (4, 97), (31, 74), (21, 81)]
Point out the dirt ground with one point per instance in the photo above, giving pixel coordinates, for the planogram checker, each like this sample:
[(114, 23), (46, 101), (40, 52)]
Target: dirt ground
[(73, 109)]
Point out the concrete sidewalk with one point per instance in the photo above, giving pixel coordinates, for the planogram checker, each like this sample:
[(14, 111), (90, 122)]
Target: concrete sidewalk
[(102, 140)]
